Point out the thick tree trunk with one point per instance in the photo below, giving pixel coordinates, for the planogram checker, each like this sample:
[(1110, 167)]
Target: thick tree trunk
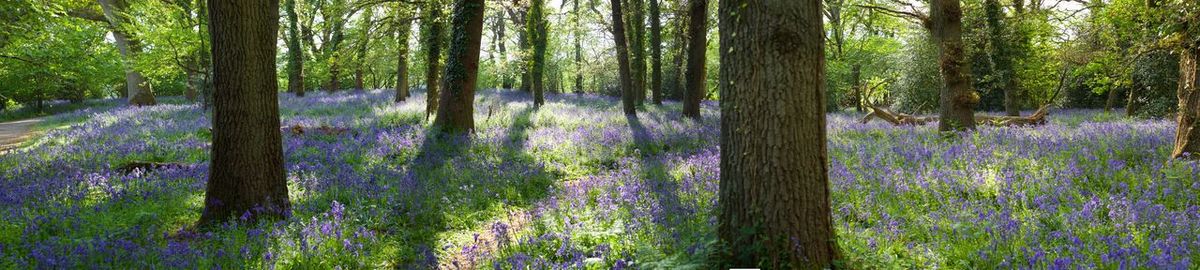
[(774, 183), (402, 33), (247, 174), (957, 101), (627, 95), (457, 111), (137, 89), (697, 27), (295, 67), (536, 27), (433, 55), (1187, 135), (655, 53)]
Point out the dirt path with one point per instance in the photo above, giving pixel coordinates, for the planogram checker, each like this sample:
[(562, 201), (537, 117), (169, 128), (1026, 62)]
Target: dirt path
[(15, 132)]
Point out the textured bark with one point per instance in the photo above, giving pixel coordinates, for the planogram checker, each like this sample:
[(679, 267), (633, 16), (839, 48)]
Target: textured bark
[(774, 183), (637, 48), (1187, 135), (957, 100), (433, 54), (402, 32), (137, 89), (697, 27), (457, 111), (364, 39), (655, 53), (295, 67), (247, 174), (335, 54), (627, 95), (537, 28)]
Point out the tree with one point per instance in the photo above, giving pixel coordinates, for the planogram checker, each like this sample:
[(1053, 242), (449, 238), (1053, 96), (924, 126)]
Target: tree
[(618, 26), (637, 48), (774, 184), (578, 33), (403, 30), (698, 29), (295, 66), (364, 39), (1187, 135), (957, 100), (247, 174), (536, 26), (335, 13), (138, 90), (433, 54), (655, 53), (1002, 55), (457, 111)]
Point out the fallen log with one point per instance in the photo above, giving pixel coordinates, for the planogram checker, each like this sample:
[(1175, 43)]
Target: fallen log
[(902, 119), (146, 166), (322, 130)]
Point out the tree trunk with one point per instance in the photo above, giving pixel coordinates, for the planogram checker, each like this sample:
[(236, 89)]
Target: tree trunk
[(1002, 57), (457, 111), (335, 54), (637, 49), (137, 90), (1131, 104), (1187, 135), (618, 25), (247, 175), (537, 28), (295, 67), (402, 33), (774, 183), (433, 55), (655, 53), (697, 27), (1112, 100), (856, 86), (506, 81), (957, 100), (524, 46), (578, 49), (364, 39)]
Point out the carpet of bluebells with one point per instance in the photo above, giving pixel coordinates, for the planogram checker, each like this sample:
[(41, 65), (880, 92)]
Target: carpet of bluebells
[(575, 184)]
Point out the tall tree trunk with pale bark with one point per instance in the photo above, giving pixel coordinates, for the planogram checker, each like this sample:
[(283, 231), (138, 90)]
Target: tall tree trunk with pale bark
[(457, 111), (137, 90), (246, 178), (1187, 135)]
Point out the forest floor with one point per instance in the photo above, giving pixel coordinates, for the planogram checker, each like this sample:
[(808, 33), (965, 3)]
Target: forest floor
[(576, 184)]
